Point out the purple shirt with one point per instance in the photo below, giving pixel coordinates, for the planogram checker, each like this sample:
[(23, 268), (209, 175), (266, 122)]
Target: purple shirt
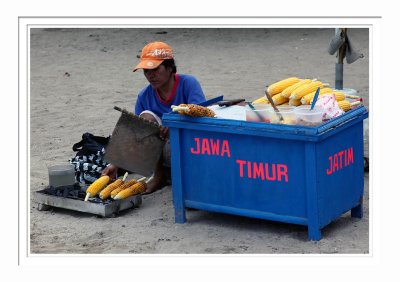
[(186, 90)]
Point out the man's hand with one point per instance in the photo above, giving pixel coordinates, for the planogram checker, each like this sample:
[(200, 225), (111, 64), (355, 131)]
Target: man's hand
[(164, 132), (111, 171)]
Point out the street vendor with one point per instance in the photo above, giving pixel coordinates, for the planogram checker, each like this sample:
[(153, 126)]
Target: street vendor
[(166, 88)]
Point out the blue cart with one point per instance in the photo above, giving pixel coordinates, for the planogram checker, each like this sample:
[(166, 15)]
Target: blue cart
[(295, 174)]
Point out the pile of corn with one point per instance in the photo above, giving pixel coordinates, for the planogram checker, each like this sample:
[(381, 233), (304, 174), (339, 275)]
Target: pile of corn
[(294, 91), (119, 189)]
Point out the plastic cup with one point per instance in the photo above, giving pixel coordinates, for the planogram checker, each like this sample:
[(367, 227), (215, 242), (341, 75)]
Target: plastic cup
[(260, 114), (306, 116), (61, 175), (287, 113)]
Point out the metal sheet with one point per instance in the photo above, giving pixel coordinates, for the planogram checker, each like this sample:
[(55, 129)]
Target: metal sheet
[(109, 209), (135, 145)]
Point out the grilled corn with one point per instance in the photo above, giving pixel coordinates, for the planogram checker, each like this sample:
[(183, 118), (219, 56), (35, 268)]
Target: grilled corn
[(96, 186)]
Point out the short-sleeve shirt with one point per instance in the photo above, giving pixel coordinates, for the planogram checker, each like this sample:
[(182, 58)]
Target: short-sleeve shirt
[(186, 90)]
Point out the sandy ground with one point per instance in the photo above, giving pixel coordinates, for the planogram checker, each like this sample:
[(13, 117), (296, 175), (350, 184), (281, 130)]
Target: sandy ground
[(78, 75)]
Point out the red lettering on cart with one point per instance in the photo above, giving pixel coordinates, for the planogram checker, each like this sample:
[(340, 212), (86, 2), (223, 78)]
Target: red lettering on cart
[(263, 171), (282, 172), (249, 169), (340, 154), (225, 149), (205, 146), (335, 162), (273, 172), (197, 151), (241, 163), (350, 155), (258, 170), (214, 147), (340, 160)]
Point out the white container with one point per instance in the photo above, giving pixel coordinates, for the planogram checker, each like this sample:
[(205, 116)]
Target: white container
[(61, 175), (306, 116)]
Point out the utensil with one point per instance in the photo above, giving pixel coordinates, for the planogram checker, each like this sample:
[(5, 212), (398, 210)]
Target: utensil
[(260, 117), (273, 105), (228, 103), (314, 99)]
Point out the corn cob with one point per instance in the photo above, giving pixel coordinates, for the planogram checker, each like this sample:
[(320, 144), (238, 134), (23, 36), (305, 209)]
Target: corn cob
[(306, 99), (295, 103), (278, 99), (346, 105), (348, 95), (96, 186), (132, 190), (193, 110), (122, 187), (262, 100), (288, 91), (305, 89), (106, 192), (339, 95), (281, 85)]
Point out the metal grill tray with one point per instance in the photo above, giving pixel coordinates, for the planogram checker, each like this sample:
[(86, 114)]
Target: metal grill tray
[(108, 208)]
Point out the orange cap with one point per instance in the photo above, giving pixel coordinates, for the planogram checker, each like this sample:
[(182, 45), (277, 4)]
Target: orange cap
[(153, 54)]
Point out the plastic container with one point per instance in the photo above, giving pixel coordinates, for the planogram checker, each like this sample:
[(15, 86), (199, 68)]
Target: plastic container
[(61, 175), (306, 116), (294, 174), (287, 113), (348, 91), (260, 114)]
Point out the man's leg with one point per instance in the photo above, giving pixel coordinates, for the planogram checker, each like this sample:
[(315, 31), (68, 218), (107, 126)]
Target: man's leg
[(159, 178)]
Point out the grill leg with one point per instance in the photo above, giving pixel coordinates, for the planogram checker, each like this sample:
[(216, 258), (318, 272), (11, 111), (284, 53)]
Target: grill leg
[(43, 207)]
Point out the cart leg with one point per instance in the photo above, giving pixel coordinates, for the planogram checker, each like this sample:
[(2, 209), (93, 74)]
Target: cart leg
[(357, 211), (314, 233), (180, 215), (179, 207), (177, 187)]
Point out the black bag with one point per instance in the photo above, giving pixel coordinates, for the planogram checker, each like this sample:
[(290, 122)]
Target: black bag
[(88, 161)]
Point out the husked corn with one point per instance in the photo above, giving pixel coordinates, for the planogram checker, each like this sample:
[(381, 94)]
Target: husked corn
[(346, 105), (193, 110), (306, 99), (106, 192), (281, 85), (262, 100), (288, 91), (293, 102), (339, 95), (305, 89), (134, 189), (96, 186), (122, 187), (278, 99)]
